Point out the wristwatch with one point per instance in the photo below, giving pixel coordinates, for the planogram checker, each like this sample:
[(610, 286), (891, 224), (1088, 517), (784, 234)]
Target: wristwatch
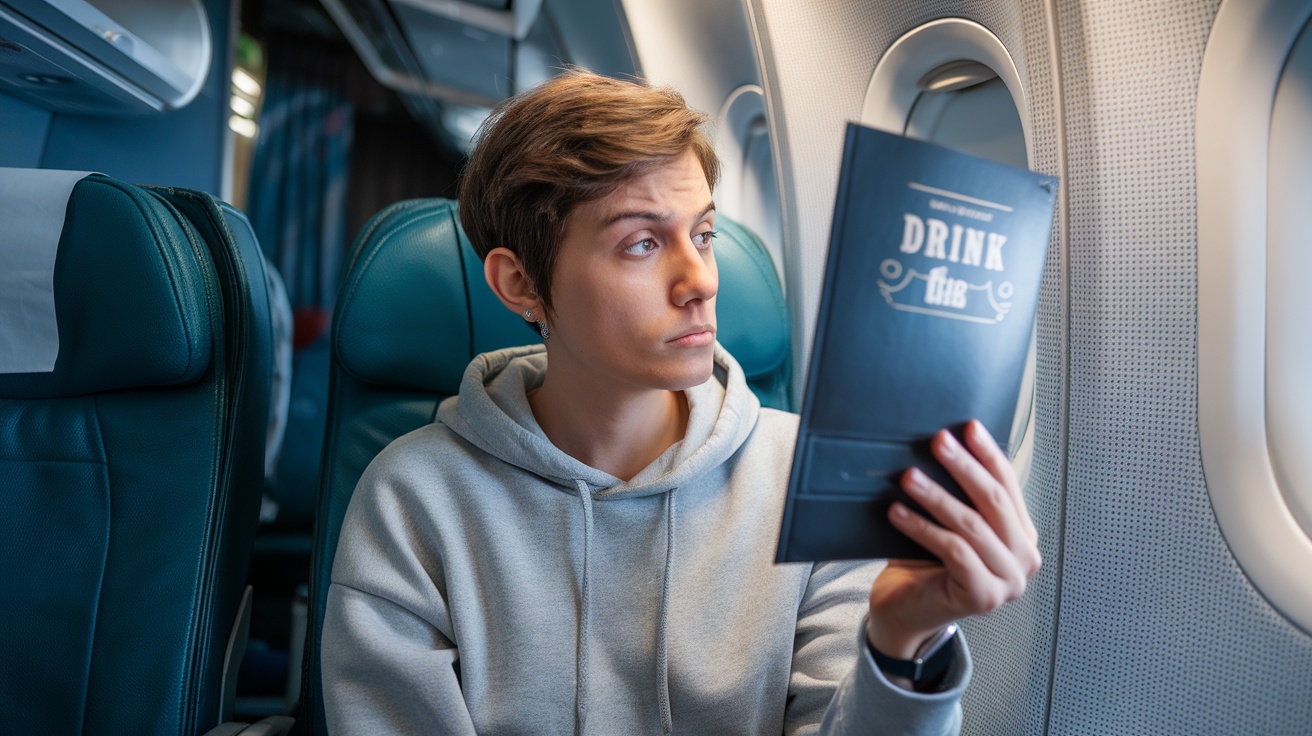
[(929, 663)]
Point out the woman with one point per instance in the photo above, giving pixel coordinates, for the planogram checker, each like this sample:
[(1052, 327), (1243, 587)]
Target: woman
[(582, 541)]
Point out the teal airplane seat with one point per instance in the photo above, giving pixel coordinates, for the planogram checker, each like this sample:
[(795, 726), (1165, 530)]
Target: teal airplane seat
[(414, 309), (131, 472)]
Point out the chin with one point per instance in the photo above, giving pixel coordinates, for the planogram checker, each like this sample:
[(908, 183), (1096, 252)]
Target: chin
[(691, 373)]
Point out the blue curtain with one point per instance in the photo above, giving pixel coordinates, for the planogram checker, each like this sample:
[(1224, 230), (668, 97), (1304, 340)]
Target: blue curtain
[(298, 194), (297, 206)]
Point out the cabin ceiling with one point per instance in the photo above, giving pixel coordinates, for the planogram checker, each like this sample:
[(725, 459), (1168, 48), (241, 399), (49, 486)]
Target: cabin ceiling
[(450, 61)]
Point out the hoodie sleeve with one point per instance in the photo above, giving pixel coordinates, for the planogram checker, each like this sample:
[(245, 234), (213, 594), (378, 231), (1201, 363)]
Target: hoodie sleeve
[(387, 665), (835, 682), (386, 670)]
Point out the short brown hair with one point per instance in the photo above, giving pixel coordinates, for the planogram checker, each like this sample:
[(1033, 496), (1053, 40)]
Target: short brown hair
[(569, 141)]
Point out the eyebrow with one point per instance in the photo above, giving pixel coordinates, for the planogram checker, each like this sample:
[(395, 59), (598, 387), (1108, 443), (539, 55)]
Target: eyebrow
[(650, 216)]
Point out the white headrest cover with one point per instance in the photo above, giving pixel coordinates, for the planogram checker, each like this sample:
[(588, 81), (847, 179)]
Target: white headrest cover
[(32, 207)]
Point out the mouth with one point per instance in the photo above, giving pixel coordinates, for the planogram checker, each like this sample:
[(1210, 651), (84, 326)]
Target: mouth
[(698, 336)]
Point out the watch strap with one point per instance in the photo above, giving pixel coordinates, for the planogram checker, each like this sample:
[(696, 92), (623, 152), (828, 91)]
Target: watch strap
[(929, 664)]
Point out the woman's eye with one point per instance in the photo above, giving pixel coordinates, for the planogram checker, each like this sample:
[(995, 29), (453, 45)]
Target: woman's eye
[(703, 240), (641, 248)]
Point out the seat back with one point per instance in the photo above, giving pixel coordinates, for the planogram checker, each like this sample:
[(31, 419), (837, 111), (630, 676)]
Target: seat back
[(130, 474), (414, 309)]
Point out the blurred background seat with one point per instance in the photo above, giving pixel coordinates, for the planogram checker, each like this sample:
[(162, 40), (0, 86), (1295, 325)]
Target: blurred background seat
[(131, 469)]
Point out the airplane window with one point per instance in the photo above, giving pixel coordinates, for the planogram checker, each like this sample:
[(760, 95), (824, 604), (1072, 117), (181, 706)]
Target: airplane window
[(748, 191), (1253, 158), (952, 82), (979, 119), (461, 122), (1288, 345), (760, 191)]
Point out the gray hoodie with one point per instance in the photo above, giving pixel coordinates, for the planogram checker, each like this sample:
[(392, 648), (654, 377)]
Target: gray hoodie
[(487, 582)]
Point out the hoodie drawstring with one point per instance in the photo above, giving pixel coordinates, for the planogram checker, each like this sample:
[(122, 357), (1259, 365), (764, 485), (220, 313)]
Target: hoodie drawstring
[(585, 616), (581, 697), (662, 650)]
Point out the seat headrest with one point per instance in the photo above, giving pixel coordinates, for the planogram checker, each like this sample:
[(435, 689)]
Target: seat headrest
[(132, 296), (751, 315), (415, 308)]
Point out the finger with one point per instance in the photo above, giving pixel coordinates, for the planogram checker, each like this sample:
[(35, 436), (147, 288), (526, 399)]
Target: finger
[(990, 455), (966, 522), (1009, 511), (972, 587), (989, 496)]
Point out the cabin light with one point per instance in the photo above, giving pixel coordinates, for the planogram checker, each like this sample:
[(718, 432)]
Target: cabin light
[(45, 80), (242, 126), (243, 107), (245, 82), (956, 75)]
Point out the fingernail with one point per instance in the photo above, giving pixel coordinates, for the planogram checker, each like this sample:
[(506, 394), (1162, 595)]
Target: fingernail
[(948, 445), (980, 434), (900, 511), (916, 480)]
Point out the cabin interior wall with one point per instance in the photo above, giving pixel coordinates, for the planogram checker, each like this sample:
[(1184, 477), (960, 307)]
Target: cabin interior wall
[(1158, 623), (701, 47), (24, 128)]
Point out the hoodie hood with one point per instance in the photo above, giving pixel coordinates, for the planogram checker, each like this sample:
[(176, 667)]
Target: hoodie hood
[(493, 413)]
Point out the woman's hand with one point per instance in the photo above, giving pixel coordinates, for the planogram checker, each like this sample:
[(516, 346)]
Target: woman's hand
[(986, 555)]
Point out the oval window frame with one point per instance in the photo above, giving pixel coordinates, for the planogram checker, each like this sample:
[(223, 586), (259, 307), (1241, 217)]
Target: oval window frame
[(1242, 66), (894, 86), (742, 109)]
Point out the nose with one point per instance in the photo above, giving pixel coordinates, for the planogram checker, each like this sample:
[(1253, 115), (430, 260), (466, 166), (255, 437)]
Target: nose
[(694, 277)]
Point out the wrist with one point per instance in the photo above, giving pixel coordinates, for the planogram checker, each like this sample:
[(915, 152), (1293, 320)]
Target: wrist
[(893, 641), (926, 668)]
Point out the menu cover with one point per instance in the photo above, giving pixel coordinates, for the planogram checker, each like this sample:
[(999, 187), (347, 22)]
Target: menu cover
[(930, 291)]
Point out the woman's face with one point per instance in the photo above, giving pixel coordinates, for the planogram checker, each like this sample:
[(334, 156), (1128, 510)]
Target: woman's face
[(634, 284)]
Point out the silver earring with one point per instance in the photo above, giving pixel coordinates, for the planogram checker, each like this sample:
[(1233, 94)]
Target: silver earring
[(542, 330), (528, 314)]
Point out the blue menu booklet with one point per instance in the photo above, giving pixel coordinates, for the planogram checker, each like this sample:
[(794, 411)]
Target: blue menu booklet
[(930, 290)]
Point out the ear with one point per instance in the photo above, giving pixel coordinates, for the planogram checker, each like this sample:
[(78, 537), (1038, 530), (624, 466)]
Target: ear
[(506, 277)]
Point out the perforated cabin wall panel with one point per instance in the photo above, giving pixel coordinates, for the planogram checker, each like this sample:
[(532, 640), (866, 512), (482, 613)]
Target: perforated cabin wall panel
[(1159, 632), (816, 71)]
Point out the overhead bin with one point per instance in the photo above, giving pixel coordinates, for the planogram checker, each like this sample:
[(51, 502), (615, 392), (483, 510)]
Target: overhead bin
[(104, 57)]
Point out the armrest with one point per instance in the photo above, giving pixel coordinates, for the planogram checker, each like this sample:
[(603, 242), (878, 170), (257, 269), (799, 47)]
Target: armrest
[(271, 726)]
